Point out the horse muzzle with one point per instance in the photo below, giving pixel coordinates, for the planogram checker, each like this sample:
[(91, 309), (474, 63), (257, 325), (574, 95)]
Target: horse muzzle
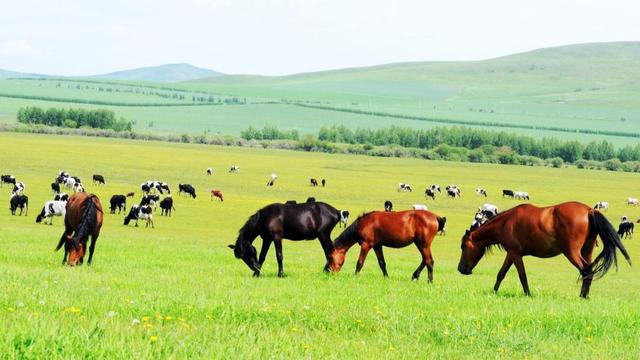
[(464, 270)]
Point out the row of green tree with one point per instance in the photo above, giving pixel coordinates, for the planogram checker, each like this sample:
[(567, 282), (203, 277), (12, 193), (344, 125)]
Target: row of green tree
[(74, 118), (483, 144)]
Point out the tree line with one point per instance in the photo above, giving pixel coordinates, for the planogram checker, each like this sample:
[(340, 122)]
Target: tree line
[(74, 118)]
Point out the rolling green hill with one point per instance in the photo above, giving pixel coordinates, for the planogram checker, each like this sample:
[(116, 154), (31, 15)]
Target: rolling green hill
[(162, 73)]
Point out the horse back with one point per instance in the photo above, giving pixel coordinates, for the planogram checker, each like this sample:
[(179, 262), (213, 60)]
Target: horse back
[(399, 229)]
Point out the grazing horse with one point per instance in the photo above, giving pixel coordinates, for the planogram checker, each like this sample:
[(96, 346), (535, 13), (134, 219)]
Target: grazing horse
[(393, 229), (388, 206), (275, 222), (83, 219), (570, 228), (215, 193)]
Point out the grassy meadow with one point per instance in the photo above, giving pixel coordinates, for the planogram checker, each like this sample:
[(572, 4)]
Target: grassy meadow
[(177, 291)]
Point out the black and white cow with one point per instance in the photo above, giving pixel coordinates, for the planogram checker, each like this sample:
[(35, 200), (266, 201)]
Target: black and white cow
[(18, 188), (7, 179), (521, 195), (138, 212), (98, 179), (602, 205), (62, 177), (151, 200), (118, 202), (507, 193), (166, 206), (488, 210), (55, 188), (404, 187), (435, 187), (625, 229), (344, 218), (388, 206), (478, 220), (78, 187), (51, 209), (19, 202), (70, 182), (188, 189), (162, 187), (481, 192), (272, 180), (430, 193), (61, 197), (453, 191), (234, 169), (209, 171)]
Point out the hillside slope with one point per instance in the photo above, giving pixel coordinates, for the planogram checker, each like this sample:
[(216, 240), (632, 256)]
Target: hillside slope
[(162, 73)]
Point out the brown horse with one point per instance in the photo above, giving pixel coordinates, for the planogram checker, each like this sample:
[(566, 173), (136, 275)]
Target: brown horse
[(84, 216), (392, 229), (216, 193), (570, 228)]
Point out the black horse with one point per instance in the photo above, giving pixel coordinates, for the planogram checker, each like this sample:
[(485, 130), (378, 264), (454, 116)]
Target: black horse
[(308, 221)]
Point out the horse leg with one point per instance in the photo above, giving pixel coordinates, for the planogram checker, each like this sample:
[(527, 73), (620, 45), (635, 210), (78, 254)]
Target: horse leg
[(327, 247), (503, 271), (278, 244), (94, 239), (364, 250), (517, 261), (381, 262), (266, 243)]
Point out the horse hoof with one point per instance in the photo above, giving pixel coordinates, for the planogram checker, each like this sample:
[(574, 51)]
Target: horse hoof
[(280, 275), (256, 274)]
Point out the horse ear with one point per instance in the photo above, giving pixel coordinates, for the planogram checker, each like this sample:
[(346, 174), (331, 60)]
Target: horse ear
[(232, 246)]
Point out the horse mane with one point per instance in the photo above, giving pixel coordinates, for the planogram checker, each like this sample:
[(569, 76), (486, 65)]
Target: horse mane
[(88, 221), (349, 236), (248, 227)]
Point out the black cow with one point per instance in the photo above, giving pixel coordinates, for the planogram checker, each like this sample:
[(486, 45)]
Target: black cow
[(119, 202), (388, 206), (8, 179), (19, 201), (324, 182), (507, 193), (187, 188), (149, 199), (98, 179), (61, 197), (314, 182), (55, 187), (166, 206), (625, 230)]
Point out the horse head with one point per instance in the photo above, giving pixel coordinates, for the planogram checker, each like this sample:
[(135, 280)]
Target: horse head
[(248, 253), (472, 252)]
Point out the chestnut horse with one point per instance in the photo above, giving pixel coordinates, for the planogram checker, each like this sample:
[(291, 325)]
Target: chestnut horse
[(84, 216), (570, 228), (392, 229), (216, 193)]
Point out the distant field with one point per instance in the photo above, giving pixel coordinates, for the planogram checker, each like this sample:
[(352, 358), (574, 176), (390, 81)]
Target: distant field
[(193, 299)]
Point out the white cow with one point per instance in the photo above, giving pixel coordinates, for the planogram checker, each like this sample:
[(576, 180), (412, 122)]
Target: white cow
[(602, 205), (633, 201), (521, 195), (419, 207)]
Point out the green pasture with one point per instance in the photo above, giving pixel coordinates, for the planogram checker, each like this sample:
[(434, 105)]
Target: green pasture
[(176, 291)]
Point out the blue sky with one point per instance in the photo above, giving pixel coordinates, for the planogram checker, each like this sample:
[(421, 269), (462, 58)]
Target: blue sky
[(274, 37)]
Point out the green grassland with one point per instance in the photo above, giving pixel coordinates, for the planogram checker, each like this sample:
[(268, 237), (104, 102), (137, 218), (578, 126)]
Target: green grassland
[(192, 298), (588, 86)]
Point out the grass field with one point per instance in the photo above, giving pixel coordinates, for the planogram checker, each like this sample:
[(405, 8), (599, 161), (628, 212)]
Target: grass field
[(176, 291)]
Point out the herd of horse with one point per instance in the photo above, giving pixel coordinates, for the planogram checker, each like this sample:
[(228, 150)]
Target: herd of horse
[(569, 228)]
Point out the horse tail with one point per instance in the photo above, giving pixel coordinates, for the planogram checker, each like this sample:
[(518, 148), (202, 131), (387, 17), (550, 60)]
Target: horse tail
[(87, 221), (611, 242), (63, 239)]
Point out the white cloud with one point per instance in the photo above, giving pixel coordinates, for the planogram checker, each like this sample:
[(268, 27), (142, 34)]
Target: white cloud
[(18, 47)]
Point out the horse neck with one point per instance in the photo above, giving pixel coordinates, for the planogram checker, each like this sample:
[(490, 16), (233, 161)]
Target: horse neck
[(348, 238), (489, 233)]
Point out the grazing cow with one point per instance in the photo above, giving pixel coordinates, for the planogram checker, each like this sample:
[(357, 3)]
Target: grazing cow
[(272, 180), (453, 192), (633, 201), (507, 193), (18, 188), (61, 197), (98, 179), (478, 220), (78, 187), (602, 205), (344, 218), (481, 192), (119, 202), (209, 171), (625, 229), (51, 209), (388, 206), (429, 193), (521, 195), (404, 187), (55, 188), (146, 187), (419, 207), (324, 182), (234, 169), (8, 179), (150, 200), (70, 182), (162, 187), (488, 210), (314, 182), (138, 212), (435, 188), (311, 199), (131, 194), (188, 189), (166, 206), (19, 201), (217, 194)]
